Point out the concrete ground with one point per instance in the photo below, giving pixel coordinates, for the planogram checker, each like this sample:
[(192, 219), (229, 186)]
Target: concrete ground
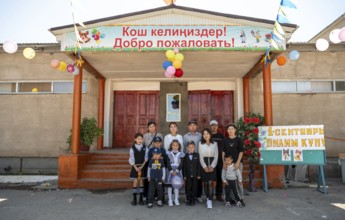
[(298, 201)]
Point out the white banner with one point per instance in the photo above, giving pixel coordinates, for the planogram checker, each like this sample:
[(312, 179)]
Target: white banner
[(303, 137)]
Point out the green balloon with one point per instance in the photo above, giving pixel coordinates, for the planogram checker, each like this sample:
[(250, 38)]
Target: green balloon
[(94, 31)]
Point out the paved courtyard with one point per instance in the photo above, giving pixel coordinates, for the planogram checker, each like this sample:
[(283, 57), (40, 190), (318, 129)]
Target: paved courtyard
[(297, 202)]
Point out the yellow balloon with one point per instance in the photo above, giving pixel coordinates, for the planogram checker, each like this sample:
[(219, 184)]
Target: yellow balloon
[(179, 56), (98, 41), (172, 59), (62, 66), (177, 64), (29, 53), (34, 90), (170, 54)]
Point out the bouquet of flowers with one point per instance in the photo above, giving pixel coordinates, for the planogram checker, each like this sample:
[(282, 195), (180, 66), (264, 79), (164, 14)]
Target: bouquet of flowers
[(248, 130)]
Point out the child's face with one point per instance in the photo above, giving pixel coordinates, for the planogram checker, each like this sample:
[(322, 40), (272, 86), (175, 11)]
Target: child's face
[(191, 148), (156, 156), (173, 129), (139, 140), (157, 144), (228, 161), (152, 128), (175, 146)]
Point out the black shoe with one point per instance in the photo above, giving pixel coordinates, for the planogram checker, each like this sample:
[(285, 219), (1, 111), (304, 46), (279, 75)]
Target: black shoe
[(192, 203), (134, 202), (141, 202), (232, 202), (188, 203), (163, 200), (243, 204)]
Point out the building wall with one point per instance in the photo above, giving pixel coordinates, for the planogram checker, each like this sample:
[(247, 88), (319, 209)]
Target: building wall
[(37, 125), (309, 108)]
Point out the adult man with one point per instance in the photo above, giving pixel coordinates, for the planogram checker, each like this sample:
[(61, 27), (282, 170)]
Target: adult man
[(194, 136), (218, 137)]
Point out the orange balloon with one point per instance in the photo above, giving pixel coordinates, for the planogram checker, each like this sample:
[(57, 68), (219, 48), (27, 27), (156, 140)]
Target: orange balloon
[(281, 60)]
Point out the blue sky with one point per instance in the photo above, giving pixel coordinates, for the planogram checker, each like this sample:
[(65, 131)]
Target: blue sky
[(28, 21)]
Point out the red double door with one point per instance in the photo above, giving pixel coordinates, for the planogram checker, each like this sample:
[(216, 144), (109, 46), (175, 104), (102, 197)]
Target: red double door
[(134, 109)]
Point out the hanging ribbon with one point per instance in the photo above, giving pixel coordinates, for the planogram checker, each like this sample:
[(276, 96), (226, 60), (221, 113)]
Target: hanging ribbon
[(288, 4), (279, 28)]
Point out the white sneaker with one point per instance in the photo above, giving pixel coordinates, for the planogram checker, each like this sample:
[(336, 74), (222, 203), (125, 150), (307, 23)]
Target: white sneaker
[(176, 202), (170, 202), (209, 204)]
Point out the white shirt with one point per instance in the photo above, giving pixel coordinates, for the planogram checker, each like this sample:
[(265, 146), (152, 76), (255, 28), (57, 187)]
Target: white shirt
[(231, 174), (169, 138), (208, 151)]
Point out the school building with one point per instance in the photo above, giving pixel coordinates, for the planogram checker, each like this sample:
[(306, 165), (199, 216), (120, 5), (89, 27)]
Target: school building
[(122, 84)]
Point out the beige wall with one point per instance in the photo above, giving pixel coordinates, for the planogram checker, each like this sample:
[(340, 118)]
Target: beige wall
[(299, 109), (34, 125)]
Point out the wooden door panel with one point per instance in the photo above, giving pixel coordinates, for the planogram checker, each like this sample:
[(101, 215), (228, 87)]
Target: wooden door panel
[(132, 111)]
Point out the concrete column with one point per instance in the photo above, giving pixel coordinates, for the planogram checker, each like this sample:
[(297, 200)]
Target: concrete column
[(246, 97), (76, 111), (101, 85), (275, 174)]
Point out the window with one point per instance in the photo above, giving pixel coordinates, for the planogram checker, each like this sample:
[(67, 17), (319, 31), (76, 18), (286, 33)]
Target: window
[(7, 87), (282, 87), (340, 86), (315, 86), (66, 87), (34, 87)]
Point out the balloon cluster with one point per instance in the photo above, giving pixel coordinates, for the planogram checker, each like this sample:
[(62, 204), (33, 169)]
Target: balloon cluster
[(293, 56), (173, 65), (336, 36), (11, 46), (63, 67), (97, 35)]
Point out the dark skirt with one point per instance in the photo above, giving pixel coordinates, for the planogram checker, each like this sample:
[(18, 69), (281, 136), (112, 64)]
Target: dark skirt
[(134, 173), (208, 176)]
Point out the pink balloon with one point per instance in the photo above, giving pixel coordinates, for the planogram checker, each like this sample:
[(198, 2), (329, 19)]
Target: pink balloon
[(171, 70), (168, 75), (70, 68), (176, 50), (341, 35), (55, 63)]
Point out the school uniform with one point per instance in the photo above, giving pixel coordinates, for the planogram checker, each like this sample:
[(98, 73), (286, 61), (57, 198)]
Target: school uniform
[(156, 172), (191, 170), (138, 154)]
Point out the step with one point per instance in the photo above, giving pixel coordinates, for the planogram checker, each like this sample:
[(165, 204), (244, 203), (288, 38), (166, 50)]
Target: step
[(112, 154), (109, 158), (108, 167), (104, 183), (107, 162), (104, 174)]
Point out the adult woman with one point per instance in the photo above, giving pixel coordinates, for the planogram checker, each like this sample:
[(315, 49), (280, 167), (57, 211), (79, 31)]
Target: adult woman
[(148, 137), (208, 151), (233, 145), (172, 136)]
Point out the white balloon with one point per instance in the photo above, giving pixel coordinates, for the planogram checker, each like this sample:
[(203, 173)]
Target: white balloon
[(334, 36), (10, 46), (322, 44)]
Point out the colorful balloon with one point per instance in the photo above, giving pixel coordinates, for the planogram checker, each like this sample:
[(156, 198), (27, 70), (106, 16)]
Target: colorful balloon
[(62, 66), (176, 50), (170, 54), (334, 36), (96, 37), (166, 64), (171, 70), (10, 46), (322, 44), (341, 34), (29, 53), (179, 56), (294, 55), (103, 35), (281, 60), (76, 71), (34, 90), (70, 68), (168, 75), (94, 31), (178, 73), (55, 63), (177, 64)]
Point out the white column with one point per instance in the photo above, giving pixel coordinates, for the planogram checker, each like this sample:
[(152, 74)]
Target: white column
[(239, 99)]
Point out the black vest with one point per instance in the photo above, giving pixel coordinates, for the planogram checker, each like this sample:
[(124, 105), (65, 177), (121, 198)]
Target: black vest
[(139, 156)]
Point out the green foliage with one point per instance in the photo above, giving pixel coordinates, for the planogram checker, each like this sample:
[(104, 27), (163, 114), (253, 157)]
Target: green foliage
[(88, 131), (247, 128)]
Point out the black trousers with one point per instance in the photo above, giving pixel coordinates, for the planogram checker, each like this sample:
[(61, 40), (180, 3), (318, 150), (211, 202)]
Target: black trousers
[(231, 186), (191, 188), (219, 185), (153, 186), (146, 188), (199, 188)]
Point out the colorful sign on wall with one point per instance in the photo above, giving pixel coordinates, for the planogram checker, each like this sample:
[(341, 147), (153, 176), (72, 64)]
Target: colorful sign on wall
[(292, 144), (151, 38)]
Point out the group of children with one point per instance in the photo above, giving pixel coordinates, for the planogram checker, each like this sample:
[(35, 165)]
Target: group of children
[(160, 166)]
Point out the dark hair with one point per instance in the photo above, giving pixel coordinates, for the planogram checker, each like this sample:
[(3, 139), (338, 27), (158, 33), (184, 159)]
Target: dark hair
[(231, 125), (203, 141), (138, 135), (172, 123), (175, 141), (150, 123), (190, 142), (228, 156)]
